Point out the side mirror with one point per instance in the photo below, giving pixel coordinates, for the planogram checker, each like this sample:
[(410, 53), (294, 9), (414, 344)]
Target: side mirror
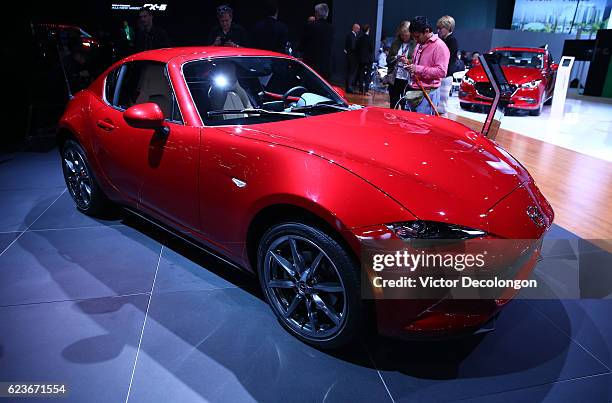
[(144, 116), (339, 91), (554, 66)]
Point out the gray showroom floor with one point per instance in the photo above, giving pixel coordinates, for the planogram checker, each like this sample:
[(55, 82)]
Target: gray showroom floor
[(119, 311)]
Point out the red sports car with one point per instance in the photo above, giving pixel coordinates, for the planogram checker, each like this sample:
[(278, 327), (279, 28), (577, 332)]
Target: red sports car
[(251, 155), (531, 71)]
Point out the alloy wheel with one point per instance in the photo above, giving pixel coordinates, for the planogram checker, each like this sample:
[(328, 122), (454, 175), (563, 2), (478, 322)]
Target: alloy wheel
[(78, 178), (305, 287)]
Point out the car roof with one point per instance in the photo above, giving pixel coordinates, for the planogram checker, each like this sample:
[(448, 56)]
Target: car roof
[(520, 49), (165, 55), (179, 56)]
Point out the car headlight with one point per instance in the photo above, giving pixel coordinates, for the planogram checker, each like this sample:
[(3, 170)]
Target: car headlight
[(468, 80), (531, 84), (433, 230)]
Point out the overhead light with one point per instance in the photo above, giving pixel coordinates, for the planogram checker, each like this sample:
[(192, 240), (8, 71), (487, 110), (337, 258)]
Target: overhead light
[(221, 81)]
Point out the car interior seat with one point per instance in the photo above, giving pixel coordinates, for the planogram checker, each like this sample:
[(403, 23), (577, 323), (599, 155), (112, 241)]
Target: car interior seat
[(229, 96), (154, 88)]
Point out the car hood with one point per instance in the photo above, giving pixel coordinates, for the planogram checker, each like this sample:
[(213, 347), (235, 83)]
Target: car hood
[(514, 75), (436, 168)]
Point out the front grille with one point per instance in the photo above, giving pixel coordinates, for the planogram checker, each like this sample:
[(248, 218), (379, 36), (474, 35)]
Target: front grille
[(485, 90)]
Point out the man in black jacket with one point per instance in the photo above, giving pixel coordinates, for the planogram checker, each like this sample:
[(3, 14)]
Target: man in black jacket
[(149, 36), (365, 53), (352, 63), (227, 33), (316, 44), (270, 33)]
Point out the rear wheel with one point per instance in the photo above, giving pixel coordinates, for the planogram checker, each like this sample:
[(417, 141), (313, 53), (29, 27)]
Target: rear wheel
[(80, 181), (312, 284)]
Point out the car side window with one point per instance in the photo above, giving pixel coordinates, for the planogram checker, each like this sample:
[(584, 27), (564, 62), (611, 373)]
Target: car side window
[(144, 81), (111, 84)]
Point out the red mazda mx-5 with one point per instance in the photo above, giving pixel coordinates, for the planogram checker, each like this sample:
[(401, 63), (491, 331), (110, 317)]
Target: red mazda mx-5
[(531, 71), (252, 155)]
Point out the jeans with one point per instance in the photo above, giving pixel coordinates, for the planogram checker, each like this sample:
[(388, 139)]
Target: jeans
[(424, 106), (445, 87)]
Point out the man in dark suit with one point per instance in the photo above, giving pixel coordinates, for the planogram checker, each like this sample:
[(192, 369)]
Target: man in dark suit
[(149, 36), (352, 64), (316, 44), (365, 55), (270, 33)]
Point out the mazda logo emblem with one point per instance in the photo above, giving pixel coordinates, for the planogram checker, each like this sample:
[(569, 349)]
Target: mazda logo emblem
[(536, 216)]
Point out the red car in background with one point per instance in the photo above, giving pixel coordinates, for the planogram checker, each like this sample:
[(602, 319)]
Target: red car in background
[(254, 156), (531, 71), (64, 35)]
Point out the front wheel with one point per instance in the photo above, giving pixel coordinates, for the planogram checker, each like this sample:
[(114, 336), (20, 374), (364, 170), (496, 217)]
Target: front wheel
[(536, 112), (312, 284), (465, 106), (80, 181)]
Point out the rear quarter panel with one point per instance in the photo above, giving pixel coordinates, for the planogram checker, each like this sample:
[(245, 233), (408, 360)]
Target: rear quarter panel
[(76, 118)]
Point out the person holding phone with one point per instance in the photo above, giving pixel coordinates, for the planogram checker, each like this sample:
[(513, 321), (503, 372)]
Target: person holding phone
[(428, 66), (399, 57), (227, 33)]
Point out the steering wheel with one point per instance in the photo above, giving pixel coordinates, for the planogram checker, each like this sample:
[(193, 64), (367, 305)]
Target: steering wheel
[(291, 91)]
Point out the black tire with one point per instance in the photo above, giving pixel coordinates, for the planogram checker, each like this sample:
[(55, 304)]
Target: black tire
[(465, 106), (335, 262), (80, 181)]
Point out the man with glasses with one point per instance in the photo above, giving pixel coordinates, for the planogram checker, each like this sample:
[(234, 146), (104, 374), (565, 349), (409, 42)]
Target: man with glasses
[(429, 64), (227, 33)]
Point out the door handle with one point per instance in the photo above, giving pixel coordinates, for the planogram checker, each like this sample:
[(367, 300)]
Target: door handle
[(106, 125)]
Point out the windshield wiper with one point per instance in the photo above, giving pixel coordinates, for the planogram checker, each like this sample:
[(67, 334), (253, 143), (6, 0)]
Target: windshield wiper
[(321, 105), (252, 111)]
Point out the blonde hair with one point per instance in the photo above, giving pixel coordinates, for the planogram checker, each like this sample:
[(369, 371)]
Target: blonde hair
[(404, 26), (447, 22)]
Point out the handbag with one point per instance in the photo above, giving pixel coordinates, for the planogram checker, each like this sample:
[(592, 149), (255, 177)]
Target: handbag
[(389, 79)]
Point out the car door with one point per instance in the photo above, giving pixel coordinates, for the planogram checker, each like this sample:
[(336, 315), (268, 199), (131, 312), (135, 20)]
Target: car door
[(120, 149), (169, 187)]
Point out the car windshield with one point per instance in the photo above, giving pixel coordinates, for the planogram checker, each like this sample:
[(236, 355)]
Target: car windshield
[(249, 90), (511, 58)]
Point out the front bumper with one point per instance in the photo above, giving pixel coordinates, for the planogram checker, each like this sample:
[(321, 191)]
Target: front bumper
[(448, 318), (523, 98), (518, 251)]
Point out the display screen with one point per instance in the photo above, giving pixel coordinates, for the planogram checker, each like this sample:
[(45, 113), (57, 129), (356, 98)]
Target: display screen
[(582, 50), (561, 16), (566, 62), (139, 6)]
